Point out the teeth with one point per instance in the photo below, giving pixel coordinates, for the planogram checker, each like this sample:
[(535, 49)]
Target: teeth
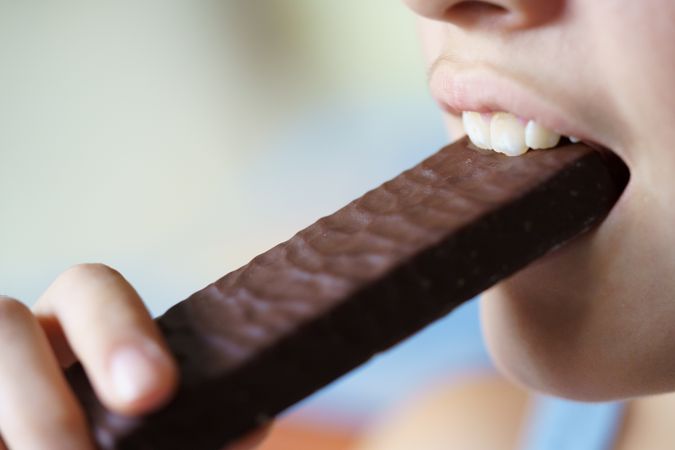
[(477, 126), (537, 136), (507, 134), (573, 139)]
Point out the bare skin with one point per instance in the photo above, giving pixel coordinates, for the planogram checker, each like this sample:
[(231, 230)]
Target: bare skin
[(90, 314), (592, 321), (489, 412), (479, 413)]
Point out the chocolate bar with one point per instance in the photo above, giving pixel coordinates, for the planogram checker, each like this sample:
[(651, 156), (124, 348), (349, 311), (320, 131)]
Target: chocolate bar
[(357, 282)]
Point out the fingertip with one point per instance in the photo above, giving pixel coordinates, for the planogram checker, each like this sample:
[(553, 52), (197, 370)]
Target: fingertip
[(143, 377), (11, 307), (13, 310), (113, 335)]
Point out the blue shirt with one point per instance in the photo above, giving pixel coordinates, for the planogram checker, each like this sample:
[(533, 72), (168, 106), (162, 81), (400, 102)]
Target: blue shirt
[(557, 424)]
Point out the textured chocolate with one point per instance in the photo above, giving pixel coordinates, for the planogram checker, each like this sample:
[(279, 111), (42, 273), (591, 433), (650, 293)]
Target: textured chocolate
[(357, 282)]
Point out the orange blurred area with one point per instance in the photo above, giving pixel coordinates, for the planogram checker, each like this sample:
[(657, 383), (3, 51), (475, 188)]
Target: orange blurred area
[(294, 435)]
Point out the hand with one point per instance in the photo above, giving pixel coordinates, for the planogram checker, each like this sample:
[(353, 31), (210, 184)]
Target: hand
[(91, 314)]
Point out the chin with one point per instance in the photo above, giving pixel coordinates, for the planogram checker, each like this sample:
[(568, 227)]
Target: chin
[(569, 326)]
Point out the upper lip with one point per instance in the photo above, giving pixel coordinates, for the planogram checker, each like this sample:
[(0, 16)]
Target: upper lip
[(482, 88)]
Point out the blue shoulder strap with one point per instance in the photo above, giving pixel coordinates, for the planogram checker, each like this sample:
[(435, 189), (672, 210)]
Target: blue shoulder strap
[(557, 424)]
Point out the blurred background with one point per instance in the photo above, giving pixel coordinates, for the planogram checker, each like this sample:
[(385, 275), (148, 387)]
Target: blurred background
[(174, 140)]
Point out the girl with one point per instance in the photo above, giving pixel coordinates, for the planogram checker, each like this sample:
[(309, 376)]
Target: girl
[(592, 321)]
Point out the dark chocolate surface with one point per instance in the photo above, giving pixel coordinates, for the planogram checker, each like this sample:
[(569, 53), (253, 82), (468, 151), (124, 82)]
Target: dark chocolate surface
[(355, 283)]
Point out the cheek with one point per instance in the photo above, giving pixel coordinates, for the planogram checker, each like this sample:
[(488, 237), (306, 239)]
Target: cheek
[(634, 57)]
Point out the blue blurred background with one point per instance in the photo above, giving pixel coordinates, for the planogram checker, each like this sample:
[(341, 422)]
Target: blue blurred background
[(174, 140)]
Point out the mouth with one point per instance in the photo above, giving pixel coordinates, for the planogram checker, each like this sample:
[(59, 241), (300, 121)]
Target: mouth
[(504, 114), (507, 115)]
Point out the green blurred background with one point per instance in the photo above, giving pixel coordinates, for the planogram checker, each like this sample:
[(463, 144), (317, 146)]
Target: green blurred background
[(126, 129), (174, 140)]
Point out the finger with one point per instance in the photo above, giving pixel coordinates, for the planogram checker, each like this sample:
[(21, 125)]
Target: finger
[(37, 409), (112, 334), (57, 339)]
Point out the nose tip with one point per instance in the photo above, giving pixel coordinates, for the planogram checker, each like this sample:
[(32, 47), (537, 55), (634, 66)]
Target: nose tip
[(496, 13)]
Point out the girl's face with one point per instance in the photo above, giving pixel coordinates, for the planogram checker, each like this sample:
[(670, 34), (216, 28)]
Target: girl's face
[(596, 319)]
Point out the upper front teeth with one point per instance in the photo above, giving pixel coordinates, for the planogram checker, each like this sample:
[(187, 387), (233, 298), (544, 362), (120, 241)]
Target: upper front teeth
[(505, 133), (540, 137), (477, 126)]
